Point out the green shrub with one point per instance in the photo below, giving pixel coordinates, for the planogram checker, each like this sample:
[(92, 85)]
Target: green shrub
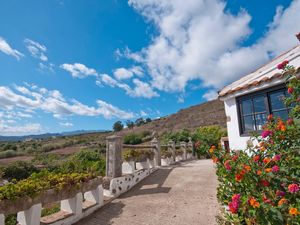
[(18, 170), (182, 135), (205, 137), (133, 139), (7, 154)]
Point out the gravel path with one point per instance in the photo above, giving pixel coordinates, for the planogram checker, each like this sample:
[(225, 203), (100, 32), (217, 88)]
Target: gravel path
[(183, 194)]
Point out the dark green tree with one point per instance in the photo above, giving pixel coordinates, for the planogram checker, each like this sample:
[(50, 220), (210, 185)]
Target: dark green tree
[(118, 126)]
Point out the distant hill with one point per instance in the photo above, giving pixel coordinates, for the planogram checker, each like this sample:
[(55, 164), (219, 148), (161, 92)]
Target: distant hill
[(48, 135), (205, 114)]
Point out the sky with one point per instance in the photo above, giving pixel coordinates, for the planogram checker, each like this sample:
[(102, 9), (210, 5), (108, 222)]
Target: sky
[(84, 64)]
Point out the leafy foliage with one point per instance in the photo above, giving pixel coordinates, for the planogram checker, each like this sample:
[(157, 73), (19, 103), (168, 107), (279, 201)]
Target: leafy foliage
[(18, 170), (205, 137), (261, 186), (118, 126)]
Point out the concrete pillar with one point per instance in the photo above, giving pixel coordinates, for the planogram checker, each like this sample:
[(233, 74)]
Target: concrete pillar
[(171, 146), (191, 146), (2, 219), (157, 151), (95, 196), (72, 205), (30, 216), (183, 148), (114, 156)]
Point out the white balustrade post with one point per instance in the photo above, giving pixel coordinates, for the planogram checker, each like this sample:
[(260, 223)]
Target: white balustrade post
[(72, 205), (190, 146), (183, 148), (2, 219), (172, 148), (157, 152), (95, 196), (30, 216), (114, 156)]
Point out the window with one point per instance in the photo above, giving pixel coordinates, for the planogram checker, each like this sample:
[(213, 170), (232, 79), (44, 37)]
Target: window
[(254, 108)]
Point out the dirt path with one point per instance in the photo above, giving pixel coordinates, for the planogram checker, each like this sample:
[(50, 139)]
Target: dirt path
[(177, 195)]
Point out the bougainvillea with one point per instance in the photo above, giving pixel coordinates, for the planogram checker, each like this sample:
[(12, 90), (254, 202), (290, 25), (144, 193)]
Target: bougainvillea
[(261, 185)]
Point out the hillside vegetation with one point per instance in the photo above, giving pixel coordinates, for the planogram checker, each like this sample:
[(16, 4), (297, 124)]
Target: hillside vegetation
[(209, 113)]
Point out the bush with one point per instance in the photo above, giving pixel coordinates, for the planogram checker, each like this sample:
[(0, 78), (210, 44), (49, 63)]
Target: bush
[(132, 139), (205, 137), (139, 155), (18, 170), (261, 186), (8, 154), (118, 126), (178, 136)]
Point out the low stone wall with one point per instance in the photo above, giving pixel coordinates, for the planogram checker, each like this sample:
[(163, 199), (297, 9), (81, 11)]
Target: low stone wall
[(122, 184)]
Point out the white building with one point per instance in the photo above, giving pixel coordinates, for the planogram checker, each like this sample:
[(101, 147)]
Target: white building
[(249, 100)]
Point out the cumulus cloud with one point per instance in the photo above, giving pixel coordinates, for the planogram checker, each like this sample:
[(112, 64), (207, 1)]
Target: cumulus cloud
[(210, 95), (36, 49), (52, 101), (78, 70), (123, 73), (66, 124), (201, 40), (31, 128), (7, 49), (140, 89)]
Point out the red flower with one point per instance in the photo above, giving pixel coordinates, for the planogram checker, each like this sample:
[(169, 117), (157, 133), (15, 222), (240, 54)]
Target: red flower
[(234, 158), (280, 193), (227, 165), (290, 90), (290, 121), (275, 169), (239, 177), (276, 158), (270, 117), (265, 183), (282, 65), (293, 188), (266, 133), (256, 158)]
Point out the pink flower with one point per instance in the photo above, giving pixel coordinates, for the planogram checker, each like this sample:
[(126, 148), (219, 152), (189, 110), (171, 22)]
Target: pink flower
[(266, 133), (293, 188), (280, 193), (276, 157), (234, 204), (227, 165), (275, 169)]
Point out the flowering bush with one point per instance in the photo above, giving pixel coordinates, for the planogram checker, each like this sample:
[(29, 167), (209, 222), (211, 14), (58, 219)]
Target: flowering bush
[(261, 185)]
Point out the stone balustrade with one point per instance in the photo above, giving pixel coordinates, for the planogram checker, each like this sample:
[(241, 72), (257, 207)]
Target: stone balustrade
[(76, 204)]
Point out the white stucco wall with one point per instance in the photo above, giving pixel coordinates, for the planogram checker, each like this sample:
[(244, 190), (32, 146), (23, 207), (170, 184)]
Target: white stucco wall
[(236, 142)]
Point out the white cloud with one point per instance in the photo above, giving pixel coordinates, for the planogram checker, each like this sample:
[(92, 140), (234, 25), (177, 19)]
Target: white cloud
[(46, 67), (78, 70), (142, 89), (7, 49), (66, 124), (30, 128), (201, 40), (210, 95), (143, 113), (53, 102), (123, 73), (36, 49)]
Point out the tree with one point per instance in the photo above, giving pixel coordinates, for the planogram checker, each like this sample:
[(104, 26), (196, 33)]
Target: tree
[(148, 120), (139, 122), (129, 124), (118, 126)]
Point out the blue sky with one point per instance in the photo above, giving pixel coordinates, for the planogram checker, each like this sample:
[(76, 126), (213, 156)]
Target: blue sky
[(83, 64)]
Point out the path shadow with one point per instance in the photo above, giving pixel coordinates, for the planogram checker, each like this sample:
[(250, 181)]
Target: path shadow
[(104, 215), (152, 184)]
